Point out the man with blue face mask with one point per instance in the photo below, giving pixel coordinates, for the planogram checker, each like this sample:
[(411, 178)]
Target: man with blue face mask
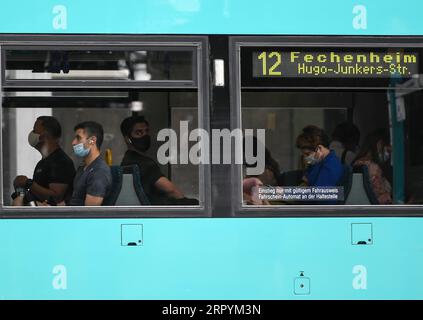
[(93, 178)]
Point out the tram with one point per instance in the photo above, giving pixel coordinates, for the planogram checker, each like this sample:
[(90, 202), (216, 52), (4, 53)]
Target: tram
[(208, 68)]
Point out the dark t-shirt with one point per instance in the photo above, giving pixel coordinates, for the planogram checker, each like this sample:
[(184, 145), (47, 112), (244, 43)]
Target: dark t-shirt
[(95, 180), (55, 168), (150, 173)]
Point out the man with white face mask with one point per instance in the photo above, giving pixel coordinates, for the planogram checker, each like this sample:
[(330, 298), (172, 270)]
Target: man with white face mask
[(53, 174)]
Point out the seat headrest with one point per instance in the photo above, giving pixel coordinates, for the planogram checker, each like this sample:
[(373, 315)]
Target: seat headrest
[(130, 169), (359, 169)]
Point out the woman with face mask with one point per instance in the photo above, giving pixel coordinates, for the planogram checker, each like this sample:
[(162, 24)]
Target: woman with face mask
[(323, 168), (375, 154)]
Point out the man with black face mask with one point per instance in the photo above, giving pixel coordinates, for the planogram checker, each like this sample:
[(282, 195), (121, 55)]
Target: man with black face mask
[(53, 174), (159, 189)]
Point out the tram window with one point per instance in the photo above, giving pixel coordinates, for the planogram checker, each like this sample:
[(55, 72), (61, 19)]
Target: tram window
[(160, 183), (357, 145), (136, 65)]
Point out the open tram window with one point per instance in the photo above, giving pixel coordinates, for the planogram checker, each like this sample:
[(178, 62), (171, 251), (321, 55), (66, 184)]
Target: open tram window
[(341, 125), (152, 183)]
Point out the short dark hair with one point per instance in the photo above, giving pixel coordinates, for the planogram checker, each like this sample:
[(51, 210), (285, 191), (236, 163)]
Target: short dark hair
[(128, 124), (51, 126), (347, 133), (311, 137), (93, 129)]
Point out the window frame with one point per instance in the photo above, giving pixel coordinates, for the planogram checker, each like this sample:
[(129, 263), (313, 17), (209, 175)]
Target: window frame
[(236, 43), (200, 82)]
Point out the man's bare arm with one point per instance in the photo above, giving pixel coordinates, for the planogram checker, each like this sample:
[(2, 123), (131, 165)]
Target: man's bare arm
[(165, 185)]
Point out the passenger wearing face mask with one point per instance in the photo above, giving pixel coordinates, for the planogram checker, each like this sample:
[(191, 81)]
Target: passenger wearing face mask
[(159, 189), (375, 154), (53, 174), (93, 178), (323, 168)]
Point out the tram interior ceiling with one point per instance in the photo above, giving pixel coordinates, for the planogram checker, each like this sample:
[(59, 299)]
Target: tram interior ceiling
[(99, 64)]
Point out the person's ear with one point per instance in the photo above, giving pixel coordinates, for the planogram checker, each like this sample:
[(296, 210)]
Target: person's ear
[(43, 135), (93, 140)]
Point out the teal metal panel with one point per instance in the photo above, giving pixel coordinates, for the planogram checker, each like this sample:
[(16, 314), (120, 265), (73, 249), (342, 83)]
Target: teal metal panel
[(210, 259), (307, 17)]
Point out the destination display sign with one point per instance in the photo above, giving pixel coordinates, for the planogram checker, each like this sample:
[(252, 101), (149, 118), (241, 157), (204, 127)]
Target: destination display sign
[(333, 64)]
